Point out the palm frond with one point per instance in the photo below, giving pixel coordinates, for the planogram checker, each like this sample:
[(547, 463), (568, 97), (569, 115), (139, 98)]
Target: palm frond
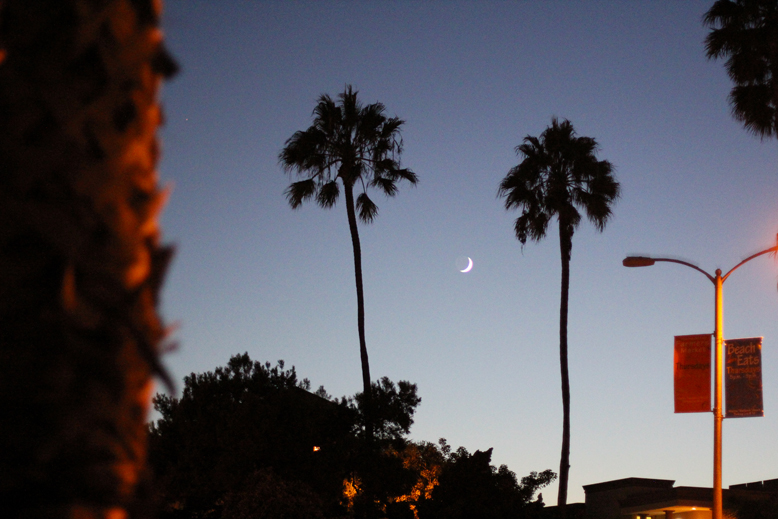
[(385, 184), (328, 194), (753, 105), (350, 109), (390, 168), (598, 209), (407, 174), (324, 105), (525, 185), (304, 151), (372, 121), (746, 33), (391, 127), (326, 114), (531, 225), (721, 14), (298, 192), (367, 209), (530, 146)]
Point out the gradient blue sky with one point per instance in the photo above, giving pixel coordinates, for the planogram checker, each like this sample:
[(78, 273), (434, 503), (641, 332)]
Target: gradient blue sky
[(472, 79)]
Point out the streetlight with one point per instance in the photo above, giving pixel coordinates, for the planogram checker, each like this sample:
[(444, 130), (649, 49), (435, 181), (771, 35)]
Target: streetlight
[(718, 281)]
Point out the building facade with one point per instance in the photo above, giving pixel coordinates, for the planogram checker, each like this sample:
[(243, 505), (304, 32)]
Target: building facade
[(644, 498)]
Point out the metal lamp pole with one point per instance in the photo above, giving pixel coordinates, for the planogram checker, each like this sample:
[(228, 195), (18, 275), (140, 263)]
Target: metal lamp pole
[(718, 282)]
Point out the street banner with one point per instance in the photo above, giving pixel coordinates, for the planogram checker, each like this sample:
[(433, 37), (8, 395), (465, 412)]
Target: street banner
[(691, 370), (743, 377)]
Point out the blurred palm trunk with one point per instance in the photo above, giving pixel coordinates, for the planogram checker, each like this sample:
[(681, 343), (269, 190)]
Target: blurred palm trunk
[(80, 258)]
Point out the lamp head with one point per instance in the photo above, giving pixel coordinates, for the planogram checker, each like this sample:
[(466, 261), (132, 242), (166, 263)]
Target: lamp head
[(638, 261)]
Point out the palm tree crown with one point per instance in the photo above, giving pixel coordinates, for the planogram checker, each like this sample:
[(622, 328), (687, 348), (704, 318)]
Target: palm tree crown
[(355, 143), (559, 175), (746, 32)]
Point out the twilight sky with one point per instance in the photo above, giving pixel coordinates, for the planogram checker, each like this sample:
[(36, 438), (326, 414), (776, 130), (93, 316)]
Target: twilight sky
[(471, 80)]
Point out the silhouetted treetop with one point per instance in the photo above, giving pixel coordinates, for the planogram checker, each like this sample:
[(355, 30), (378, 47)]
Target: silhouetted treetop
[(470, 487), (355, 143), (745, 32), (559, 175), (240, 418), (394, 407)]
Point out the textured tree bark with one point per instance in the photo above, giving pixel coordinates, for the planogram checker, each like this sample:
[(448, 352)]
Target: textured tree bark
[(566, 245), (80, 257)]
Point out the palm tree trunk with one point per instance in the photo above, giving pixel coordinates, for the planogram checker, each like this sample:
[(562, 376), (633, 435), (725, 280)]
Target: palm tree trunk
[(565, 245), (367, 453), (80, 259), (352, 224)]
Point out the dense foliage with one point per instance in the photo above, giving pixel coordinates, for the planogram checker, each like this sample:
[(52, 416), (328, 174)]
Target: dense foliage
[(469, 487), (238, 419), (250, 440)]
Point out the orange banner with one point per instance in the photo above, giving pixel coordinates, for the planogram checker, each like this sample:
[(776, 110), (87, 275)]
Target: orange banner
[(691, 369), (744, 377)]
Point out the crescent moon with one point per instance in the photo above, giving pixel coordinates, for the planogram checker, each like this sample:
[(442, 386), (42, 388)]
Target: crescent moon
[(469, 266)]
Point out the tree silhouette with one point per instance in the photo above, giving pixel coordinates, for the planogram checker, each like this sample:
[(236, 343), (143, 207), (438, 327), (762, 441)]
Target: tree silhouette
[(558, 176), (246, 430), (469, 487), (240, 418), (359, 146), (80, 257), (746, 33)]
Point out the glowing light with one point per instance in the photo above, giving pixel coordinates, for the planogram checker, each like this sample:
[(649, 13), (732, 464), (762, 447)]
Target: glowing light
[(316, 448), (351, 487)]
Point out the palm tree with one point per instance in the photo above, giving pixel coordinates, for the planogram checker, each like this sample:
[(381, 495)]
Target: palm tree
[(559, 176), (746, 32), (359, 146), (80, 256)]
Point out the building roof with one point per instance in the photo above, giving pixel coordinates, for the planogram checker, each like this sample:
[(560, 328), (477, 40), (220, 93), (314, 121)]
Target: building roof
[(629, 482), (644, 496), (769, 485)]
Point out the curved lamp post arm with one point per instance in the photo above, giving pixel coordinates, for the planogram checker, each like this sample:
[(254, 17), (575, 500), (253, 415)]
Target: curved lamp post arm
[(771, 249), (695, 267), (644, 261)]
